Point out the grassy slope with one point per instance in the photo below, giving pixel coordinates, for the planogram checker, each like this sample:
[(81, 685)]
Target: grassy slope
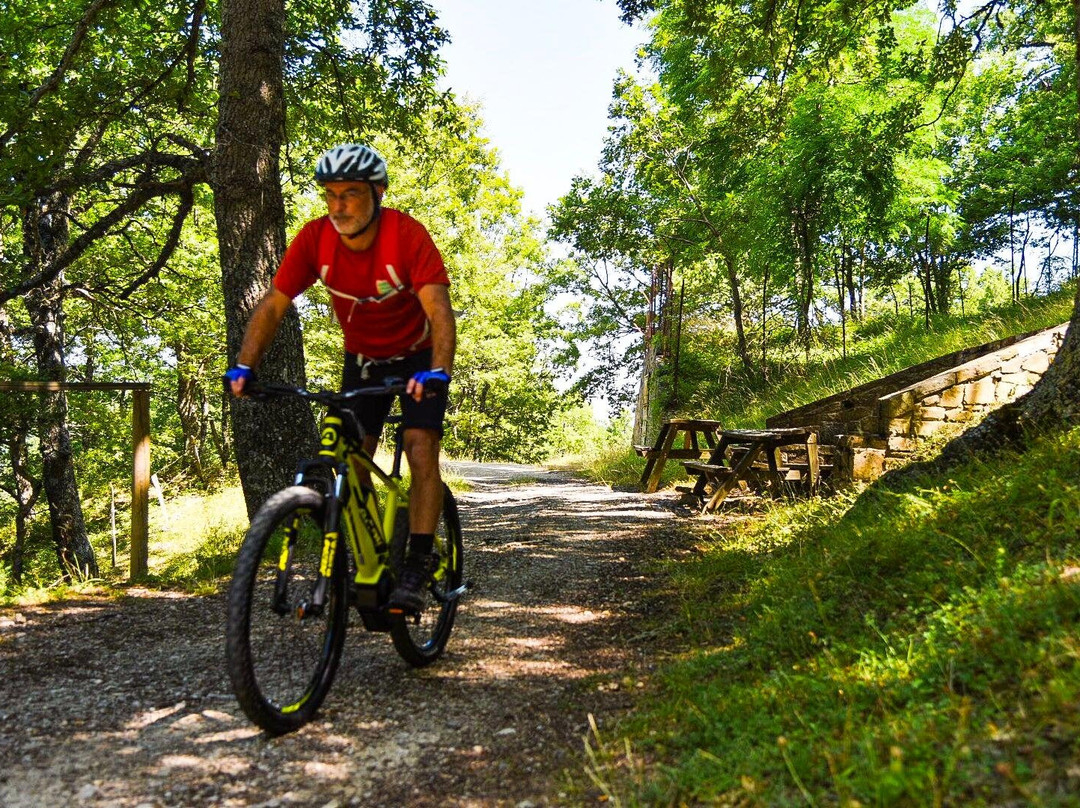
[(882, 347), (908, 647)]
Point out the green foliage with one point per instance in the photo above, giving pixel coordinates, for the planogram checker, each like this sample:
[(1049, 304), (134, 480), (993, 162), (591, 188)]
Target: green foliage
[(911, 646), (804, 166)]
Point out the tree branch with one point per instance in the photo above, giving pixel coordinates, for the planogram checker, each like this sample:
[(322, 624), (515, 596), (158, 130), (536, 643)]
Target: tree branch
[(53, 81), (187, 201), (135, 200)]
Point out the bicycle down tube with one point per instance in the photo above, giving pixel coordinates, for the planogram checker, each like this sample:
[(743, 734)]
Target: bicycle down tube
[(354, 506)]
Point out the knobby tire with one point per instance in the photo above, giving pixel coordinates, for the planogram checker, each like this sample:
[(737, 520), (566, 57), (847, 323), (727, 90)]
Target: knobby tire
[(422, 643), (282, 666)]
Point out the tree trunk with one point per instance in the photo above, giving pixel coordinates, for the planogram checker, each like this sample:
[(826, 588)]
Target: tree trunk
[(804, 250), (192, 412), (645, 411), (45, 232), (24, 486), (737, 314), (250, 214)]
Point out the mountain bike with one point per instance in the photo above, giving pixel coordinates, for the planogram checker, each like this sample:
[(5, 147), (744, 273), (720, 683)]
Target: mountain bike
[(318, 547)]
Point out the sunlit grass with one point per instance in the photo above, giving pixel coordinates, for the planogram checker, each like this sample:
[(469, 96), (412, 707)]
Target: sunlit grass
[(713, 388), (915, 646)]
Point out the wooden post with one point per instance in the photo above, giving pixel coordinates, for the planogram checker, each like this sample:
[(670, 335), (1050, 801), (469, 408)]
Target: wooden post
[(112, 521), (140, 481), (813, 463), (140, 427)]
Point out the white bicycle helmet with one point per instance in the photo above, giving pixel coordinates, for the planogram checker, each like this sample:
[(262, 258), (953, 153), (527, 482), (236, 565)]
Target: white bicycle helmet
[(351, 162)]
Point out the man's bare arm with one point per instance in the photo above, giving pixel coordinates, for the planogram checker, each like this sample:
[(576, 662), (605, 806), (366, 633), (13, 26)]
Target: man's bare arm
[(436, 302), (260, 331)]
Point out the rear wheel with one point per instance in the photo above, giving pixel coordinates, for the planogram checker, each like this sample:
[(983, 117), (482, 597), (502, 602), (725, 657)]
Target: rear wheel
[(282, 660), (421, 643)]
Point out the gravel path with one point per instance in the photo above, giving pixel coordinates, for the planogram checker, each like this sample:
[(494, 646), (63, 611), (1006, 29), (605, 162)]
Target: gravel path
[(126, 703)]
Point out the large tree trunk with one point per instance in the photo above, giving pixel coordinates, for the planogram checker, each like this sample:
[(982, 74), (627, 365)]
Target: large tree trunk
[(250, 214), (45, 232)]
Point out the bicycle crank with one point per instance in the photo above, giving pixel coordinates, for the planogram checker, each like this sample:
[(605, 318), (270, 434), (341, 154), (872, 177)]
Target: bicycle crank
[(453, 594)]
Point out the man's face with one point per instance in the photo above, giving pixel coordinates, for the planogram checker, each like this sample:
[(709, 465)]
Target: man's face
[(350, 205)]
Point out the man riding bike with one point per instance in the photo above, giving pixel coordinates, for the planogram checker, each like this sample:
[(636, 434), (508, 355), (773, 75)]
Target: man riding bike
[(391, 297)]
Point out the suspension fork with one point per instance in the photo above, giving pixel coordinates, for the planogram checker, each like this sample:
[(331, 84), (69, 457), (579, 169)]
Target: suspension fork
[(331, 536), (313, 606)]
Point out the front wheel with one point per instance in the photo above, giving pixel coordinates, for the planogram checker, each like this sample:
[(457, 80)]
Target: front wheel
[(281, 657), (421, 643)]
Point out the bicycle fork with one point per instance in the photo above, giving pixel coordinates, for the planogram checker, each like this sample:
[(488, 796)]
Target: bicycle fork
[(312, 606)]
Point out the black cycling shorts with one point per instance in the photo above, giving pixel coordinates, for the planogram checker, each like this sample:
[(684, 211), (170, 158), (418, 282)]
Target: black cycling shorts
[(371, 411)]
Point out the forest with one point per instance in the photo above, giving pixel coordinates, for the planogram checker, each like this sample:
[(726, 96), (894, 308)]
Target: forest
[(762, 200), (794, 197)]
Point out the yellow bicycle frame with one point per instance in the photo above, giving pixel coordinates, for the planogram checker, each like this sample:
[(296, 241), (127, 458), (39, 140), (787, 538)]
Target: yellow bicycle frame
[(368, 536)]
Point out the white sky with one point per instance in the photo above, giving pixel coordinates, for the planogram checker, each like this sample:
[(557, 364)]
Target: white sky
[(542, 71)]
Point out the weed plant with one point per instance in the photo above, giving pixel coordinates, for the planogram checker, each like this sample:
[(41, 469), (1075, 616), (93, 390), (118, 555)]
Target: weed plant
[(910, 646)]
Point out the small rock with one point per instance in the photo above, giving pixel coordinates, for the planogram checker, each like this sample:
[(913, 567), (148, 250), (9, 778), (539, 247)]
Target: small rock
[(87, 792), (20, 618), (507, 731), (526, 804)]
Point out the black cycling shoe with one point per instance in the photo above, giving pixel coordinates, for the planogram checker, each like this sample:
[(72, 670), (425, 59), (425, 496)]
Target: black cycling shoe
[(415, 576)]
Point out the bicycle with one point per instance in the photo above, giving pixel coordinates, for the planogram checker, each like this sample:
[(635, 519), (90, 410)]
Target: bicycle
[(295, 578)]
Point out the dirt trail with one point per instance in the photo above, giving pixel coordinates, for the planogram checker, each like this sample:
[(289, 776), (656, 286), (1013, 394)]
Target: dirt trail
[(126, 703)]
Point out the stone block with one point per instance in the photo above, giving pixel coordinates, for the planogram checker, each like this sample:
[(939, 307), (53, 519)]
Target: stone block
[(931, 401), (1014, 365), (958, 415), (952, 397), (1020, 377), (927, 428), (900, 426), (895, 462), (897, 405), (867, 464), (901, 444), (1037, 363), (931, 413), (1006, 392), (981, 391)]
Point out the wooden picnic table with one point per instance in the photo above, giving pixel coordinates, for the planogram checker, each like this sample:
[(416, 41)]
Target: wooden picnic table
[(746, 446), (698, 441)]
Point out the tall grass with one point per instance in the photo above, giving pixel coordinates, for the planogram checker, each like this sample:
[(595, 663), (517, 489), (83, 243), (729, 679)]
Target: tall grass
[(891, 647), (717, 389)]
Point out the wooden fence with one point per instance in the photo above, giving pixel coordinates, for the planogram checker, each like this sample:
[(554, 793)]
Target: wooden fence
[(140, 463)]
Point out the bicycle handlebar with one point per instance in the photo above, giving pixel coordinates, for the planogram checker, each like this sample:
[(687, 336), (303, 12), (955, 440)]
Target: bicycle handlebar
[(261, 392)]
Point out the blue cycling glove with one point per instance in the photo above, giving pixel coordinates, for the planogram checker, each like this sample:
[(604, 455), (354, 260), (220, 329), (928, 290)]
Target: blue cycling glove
[(238, 373), (434, 381)]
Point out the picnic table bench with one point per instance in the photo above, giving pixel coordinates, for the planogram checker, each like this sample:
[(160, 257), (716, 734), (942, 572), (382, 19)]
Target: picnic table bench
[(754, 457), (698, 439)]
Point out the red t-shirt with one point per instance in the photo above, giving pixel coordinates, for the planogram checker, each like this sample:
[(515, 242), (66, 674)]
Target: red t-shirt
[(374, 291)]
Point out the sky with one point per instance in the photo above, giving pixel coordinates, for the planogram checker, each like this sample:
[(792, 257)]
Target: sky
[(543, 72)]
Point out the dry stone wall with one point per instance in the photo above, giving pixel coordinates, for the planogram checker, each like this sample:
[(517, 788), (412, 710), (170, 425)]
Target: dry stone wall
[(962, 394), (877, 426)]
